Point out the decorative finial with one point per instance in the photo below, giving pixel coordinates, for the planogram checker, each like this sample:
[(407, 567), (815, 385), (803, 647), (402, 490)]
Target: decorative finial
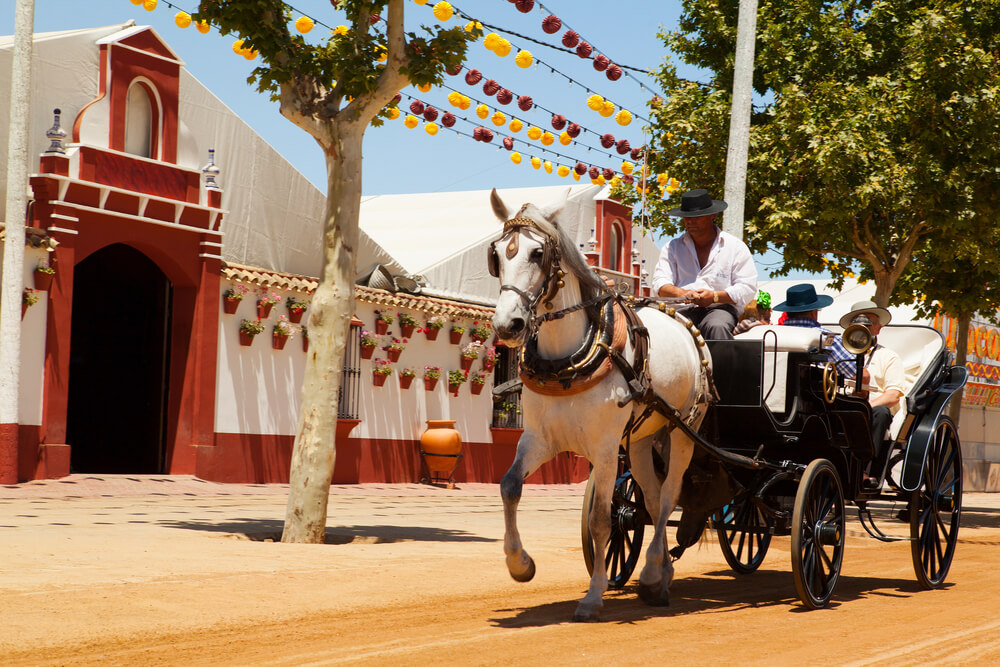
[(635, 251), (56, 135), (211, 171), (592, 241), (644, 274)]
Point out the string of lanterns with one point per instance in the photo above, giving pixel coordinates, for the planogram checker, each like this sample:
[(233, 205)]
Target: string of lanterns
[(568, 131)]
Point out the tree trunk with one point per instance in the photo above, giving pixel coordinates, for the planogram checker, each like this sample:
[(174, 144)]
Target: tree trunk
[(961, 354), (314, 451)]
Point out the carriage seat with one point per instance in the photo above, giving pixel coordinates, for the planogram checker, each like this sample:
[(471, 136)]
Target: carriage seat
[(779, 341), (918, 347)]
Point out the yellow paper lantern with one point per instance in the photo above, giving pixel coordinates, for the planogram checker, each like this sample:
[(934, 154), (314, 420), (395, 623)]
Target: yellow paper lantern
[(202, 27), (454, 98), (595, 102), (137, 2), (624, 117), (420, 2), (411, 121), (249, 54), (392, 113), (534, 133), (515, 157), (491, 40), (503, 48), (499, 118), (608, 109), (182, 20), (482, 111), (304, 24), (149, 5), (548, 167), (524, 59), (466, 102), (443, 11), (431, 128), (576, 176), (674, 183), (381, 55), (548, 138), (615, 182), (535, 163), (341, 30), (516, 125), (563, 170), (661, 179), (626, 167), (565, 139), (424, 87), (473, 25), (599, 180), (238, 47)]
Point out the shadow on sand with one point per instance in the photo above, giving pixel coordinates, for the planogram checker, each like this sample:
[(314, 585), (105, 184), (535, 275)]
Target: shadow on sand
[(269, 530)]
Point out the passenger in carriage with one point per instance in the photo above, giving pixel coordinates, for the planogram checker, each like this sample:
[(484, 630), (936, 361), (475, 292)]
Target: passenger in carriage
[(711, 270), (882, 375), (756, 313), (802, 306)]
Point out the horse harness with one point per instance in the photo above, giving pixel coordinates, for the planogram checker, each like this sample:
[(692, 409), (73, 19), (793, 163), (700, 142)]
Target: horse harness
[(604, 345)]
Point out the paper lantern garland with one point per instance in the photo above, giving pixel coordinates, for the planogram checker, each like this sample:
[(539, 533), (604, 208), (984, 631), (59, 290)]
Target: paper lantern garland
[(551, 24)]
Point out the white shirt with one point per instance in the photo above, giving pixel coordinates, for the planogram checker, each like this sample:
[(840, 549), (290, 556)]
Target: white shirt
[(885, 369), (729, 268)]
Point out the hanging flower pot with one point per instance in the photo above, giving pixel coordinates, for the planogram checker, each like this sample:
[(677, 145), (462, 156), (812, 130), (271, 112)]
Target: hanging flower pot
[(305, 344), (466, 362), (405, 381), (24, 309), (230, 304), (454, 387), (246, 339), (393, 354), (456, 336), (264, 309), (406, 330), (381, 327), (477, 388), (278, 341), (367, 351), (431, 333), (249, 329), (295, 315), (43, 279), (488, 365), (430, 383), (378, 379)]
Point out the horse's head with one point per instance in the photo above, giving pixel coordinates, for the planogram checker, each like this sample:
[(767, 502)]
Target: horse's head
[(526, 260)]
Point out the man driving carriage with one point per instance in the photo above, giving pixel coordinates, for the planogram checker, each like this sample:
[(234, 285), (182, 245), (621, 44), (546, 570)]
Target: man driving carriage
[(711, 270)]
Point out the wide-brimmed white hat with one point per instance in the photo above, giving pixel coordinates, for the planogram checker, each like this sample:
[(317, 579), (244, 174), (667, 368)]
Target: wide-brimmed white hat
[(884, 316)]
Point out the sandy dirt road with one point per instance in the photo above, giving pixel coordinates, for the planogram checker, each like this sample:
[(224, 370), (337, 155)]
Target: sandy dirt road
[(413, 575)]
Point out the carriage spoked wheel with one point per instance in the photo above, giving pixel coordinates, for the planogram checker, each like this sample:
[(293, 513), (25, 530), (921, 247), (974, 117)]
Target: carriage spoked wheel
[(744, 534), (628, 522), (818, 532), (936, 508)]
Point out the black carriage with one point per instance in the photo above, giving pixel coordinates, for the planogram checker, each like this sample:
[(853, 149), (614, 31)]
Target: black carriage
[(792, 441)]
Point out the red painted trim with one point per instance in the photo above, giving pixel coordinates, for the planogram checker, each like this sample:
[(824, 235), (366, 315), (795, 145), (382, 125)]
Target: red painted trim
[(9, 447)]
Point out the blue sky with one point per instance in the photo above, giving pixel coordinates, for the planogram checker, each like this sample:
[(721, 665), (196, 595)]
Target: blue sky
[(402, 160)]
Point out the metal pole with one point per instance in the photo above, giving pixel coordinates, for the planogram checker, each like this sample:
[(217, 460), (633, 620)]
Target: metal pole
[(13, 247), (739, 119)]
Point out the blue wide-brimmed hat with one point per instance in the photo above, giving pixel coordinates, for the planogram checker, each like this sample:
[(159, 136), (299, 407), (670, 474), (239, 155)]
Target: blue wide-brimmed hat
[(801, 298)]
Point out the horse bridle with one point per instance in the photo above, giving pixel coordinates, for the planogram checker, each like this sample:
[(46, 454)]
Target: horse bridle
[(550, 265)]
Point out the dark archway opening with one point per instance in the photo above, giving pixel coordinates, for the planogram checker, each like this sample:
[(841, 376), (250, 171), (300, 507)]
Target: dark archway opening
[(119, 356)]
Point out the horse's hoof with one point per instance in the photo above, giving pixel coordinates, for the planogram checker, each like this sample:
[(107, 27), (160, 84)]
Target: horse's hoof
[(654, 596), (583, 614), (527, 575)]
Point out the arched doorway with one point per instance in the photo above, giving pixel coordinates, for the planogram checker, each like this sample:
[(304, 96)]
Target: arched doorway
[(116, 414)]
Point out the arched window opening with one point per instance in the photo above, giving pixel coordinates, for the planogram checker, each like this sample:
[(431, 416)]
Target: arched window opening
[(615, 248), (138, 122)]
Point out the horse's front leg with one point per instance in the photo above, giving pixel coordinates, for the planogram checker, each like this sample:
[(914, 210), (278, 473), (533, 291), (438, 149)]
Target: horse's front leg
[(658, 573), (603, 473), (531, 453)]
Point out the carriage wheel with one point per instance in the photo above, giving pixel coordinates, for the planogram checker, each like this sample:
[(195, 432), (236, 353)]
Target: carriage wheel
[(744, 534), (936, 508), (818, 532), (627, 526)]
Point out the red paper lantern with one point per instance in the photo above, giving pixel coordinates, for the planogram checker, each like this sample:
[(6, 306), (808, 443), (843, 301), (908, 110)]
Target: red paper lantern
[(490, 87), (430, 114), (627, 178), (551, 24), (454, 70), (580, 168), (374, 18), (570, 39), (558, 121), (417, 107), (608, 173), (504, 96), (622, 147), (448, 119), (584, 50), (601, 62), (573, 130), (473, 76), (477, 134), (508, 143), (593, 172), (524, 6), (487, 135), (397, 98), (636, 154), (607, 140), (614, 72), (525, 103)]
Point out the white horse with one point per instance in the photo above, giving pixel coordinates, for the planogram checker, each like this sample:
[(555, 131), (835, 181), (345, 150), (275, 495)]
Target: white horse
[(542, 271)]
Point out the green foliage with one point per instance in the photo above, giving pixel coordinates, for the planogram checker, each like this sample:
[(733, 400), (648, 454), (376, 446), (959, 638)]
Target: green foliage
[(252, 327), (880, 136)]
